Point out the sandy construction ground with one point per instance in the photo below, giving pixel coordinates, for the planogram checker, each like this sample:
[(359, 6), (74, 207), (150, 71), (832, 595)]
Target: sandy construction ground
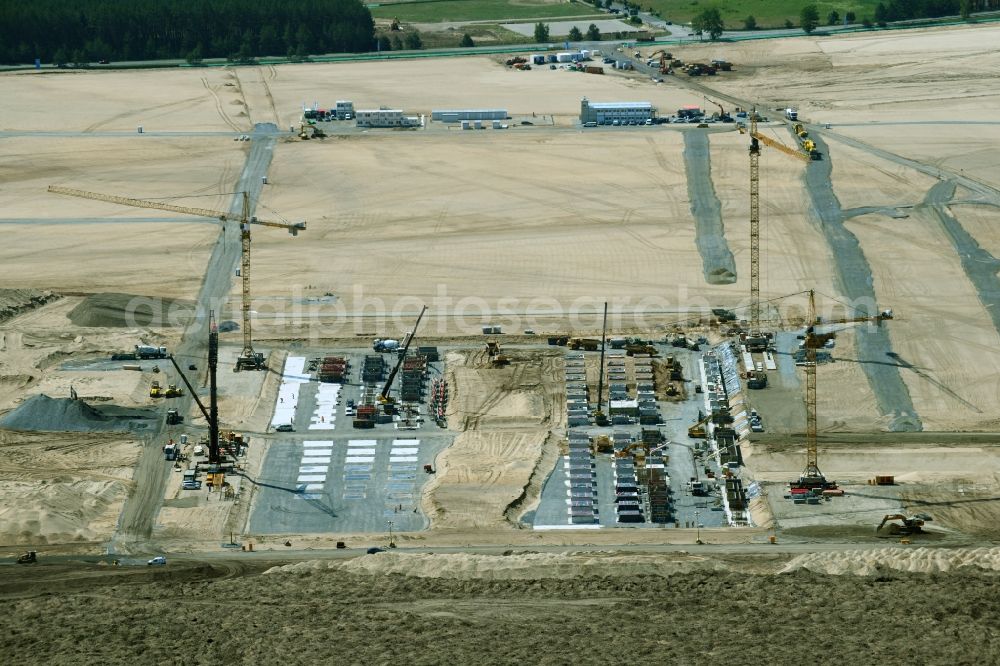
[(523, 221), (157, 100), (495, 469), (80, 245), (63, 488), (528, 220), (939, 74)]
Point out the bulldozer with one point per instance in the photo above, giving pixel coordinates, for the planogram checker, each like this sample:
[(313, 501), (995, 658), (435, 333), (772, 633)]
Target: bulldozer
[(28, 558), (909, 524), (155, 391)]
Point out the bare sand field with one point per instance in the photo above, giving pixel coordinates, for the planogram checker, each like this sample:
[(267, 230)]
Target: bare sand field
[(63, 488), (80, 245), (157, 100)]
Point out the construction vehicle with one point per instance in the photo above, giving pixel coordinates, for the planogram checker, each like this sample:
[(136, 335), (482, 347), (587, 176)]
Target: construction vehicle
[(310, 131), (248, 358), (637, 449), (812, 477), (144, 352), (586, 344), (384, 398), (756, 379), (385, 345), (723, 116), (722, 65), (909, 524), (633, 349), (172, 391), (155, 391), (29, 557), (698, 431), (496, 358), (171, 450), (173, 417), (672, 390)]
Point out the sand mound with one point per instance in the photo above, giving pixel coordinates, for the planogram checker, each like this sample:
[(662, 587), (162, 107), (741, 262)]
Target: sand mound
[(15, 301), (113, 310), (508, 567), (60, 512), (40, 412), (915, 560)]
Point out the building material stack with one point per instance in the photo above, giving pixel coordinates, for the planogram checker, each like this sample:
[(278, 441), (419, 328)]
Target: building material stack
[(333, 370), (627, 502), (413, 379), (439, 399), (373, 370), (577, 396), (582, 480), (365, 417), (431, 353)]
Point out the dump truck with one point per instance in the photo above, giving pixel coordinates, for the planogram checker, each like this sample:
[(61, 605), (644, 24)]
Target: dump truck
[(173, 417), (586, 344)]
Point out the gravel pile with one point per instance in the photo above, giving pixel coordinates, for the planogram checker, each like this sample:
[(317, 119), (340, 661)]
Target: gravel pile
[(41, 412)]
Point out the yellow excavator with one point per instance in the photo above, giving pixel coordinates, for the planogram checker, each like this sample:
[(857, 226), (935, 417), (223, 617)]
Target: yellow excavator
[(908, 524), (697, 431)]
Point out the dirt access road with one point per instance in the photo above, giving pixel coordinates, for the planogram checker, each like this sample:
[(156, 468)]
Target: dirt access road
[(136, 524)]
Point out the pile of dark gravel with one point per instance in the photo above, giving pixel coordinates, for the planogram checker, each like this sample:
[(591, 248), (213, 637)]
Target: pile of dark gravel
[(41, 412)]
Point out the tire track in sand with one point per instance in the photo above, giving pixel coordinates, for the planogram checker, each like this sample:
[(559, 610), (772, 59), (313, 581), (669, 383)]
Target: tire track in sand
[(218, 106)]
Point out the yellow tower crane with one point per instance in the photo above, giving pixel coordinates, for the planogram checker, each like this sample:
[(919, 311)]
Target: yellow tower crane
[(248, 359), (812, 477), (756, 341)]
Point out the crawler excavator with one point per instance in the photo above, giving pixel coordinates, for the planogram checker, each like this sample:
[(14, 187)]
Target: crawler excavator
[(909, 524)]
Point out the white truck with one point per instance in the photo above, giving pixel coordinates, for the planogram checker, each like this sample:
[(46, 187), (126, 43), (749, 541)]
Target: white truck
[(791, 114), (385, 345), (147, 351)]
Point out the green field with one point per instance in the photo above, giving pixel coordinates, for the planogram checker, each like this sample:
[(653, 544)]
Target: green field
[(769, 13), (434, 11)]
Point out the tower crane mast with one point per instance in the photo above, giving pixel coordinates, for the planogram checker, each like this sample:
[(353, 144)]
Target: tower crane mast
[(756, 340), (812, 477), (248, 359)]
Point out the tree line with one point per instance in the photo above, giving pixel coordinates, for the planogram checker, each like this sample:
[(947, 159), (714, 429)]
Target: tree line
[(709, 21), (89, 30)]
